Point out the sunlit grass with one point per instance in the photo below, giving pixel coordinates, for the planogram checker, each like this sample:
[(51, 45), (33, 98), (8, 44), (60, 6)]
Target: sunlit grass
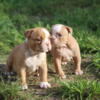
[(79, 90)]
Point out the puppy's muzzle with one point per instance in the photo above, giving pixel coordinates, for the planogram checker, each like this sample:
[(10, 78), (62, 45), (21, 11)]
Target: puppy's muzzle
[(46, 46), (53, 39)]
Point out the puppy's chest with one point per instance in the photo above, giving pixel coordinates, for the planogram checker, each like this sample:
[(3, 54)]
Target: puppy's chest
[(33, 62), (66, 53)]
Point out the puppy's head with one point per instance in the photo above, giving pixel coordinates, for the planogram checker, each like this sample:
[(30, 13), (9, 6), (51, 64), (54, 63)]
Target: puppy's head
[(38, 39), (59, 34)]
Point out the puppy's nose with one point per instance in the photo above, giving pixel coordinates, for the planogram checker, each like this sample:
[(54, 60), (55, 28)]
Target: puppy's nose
[(53, 39)]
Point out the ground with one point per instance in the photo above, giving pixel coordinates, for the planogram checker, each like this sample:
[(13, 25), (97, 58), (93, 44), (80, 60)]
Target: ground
[(46, 94)]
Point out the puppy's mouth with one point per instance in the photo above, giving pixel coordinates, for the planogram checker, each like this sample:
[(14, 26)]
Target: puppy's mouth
[(46, 46), (47, 49)]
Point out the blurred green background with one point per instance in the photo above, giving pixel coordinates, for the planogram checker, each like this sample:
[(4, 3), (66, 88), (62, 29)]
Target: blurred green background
[(18, 15)]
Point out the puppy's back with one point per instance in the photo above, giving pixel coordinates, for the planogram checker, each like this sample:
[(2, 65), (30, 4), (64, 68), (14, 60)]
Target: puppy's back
[(15, 56)]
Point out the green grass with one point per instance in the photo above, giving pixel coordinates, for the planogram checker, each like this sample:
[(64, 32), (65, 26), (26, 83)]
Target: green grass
[(96, 60), (9, 91), (19, 15), (94, 66), (12, 91), (83, 16), (79, 90)]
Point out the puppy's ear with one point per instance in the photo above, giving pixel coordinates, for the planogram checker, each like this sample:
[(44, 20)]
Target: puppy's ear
[(69, 29), (28, 33)]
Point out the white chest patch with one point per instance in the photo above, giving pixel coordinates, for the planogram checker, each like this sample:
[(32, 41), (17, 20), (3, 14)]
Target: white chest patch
[(33, 62)]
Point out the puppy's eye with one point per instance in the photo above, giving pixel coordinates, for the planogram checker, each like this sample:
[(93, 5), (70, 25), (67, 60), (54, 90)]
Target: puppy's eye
[(58, 34), (38, 40)]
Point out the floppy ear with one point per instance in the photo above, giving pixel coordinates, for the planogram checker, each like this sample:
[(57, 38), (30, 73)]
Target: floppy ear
[(69, 29), (28, 33)]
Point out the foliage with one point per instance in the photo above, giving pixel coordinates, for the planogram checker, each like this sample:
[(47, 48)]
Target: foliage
[(18, 15), (94, 66), (96, 60), (12, 91), (9, 91), (79, 90), (9, 36)]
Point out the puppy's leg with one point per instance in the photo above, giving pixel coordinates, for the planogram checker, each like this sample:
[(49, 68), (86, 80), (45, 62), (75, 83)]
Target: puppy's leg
[(57, 63), (77, 61), (43, 76), (23, 78)]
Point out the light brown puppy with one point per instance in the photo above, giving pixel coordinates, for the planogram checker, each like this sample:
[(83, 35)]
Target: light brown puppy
[(31, 55), (65, 48)]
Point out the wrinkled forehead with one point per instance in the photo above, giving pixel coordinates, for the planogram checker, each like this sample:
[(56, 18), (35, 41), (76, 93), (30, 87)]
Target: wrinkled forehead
[(41, 33), (58, 29)]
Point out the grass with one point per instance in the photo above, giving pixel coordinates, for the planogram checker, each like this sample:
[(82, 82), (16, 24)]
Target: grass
[(73, 88), (94, 66), (82, 15), (12, 91), (9, 91), (79, 90)]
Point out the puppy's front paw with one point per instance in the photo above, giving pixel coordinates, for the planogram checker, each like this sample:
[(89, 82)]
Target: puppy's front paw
[(78, 72), (45, 85), (24, 87)]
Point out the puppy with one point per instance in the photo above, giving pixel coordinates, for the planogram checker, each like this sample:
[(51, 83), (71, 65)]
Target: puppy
[(31, 55), (65, 48)]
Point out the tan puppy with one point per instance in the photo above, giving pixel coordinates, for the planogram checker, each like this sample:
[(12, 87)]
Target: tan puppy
[(31, 55), (64, 48)]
